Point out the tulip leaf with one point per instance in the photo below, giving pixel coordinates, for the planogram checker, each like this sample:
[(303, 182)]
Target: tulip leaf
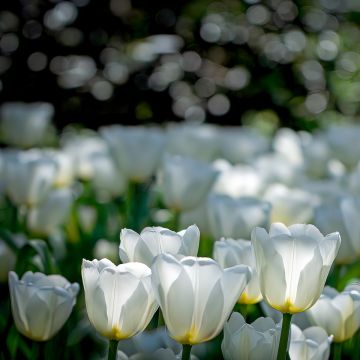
[(6, 236)]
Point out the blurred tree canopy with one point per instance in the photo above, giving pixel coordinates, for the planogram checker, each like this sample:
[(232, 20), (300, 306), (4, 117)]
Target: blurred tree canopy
[(269, 63)]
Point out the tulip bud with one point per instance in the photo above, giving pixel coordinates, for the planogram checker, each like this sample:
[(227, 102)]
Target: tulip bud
[(299, 257), (153, 241), (243, 341), (230, 252), (136, 150), (41, 304), (338, 313), (185, 182), (195, 295), (235, 218), (312, 343), (119, 299), (25, 124)]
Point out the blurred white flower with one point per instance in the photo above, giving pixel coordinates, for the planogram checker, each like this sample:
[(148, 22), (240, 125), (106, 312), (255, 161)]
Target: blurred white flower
[(64, 167), (107, 178), (311, 344), (106, 249), (276, 168), (235, 218), (230, 252), (185, 182), (343, 216), (195, 295), (197, 141), (344, 144), (82, 147), (160, 354), (338, 313), (25, 124), (290, 205), (242, 144), (119, 299), (243, 341), (29, 176), (51, 213), (152, 241), (299, 257), (41, 304), (236, 181), (136, 149)]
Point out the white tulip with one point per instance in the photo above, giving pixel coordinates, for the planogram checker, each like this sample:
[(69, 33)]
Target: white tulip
[(119, 299), (51, 213), (236, 181), (290, 205), (230, 252), (338, 313), (192, 140), (185, 182), (293, 264), (343, 217), (29, 176), (82, 148), (235, 218), (242, 144), (311, 344), (243, 341), (196, 296), (136, 149), (41, 304), (152, 241), (25, 124), (344, 144)]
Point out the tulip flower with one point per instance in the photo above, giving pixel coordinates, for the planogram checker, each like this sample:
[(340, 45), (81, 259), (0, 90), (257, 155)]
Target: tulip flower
[(148, 342), (136, 150), (51, 213), (235, 218), (41, 304), (311, 344), (199, 142), (29, 176), (152, 241), (107, 178), (82, 147), (25, 124), (185, 182), (119, 299), (243, 341), (196, 296), (236, 181), (343, 217), (230, 252), (299, 257), (242, 144), (338, 313), (344, 144), (289, 205)]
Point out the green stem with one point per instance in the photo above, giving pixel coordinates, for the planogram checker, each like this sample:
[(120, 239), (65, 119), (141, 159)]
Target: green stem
[(285, 330), (176, 220), (244, 310), (112, 349), (337, 351), (186, 352)]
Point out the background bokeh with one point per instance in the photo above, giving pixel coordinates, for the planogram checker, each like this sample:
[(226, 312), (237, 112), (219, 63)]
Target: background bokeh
[(269, 63)]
